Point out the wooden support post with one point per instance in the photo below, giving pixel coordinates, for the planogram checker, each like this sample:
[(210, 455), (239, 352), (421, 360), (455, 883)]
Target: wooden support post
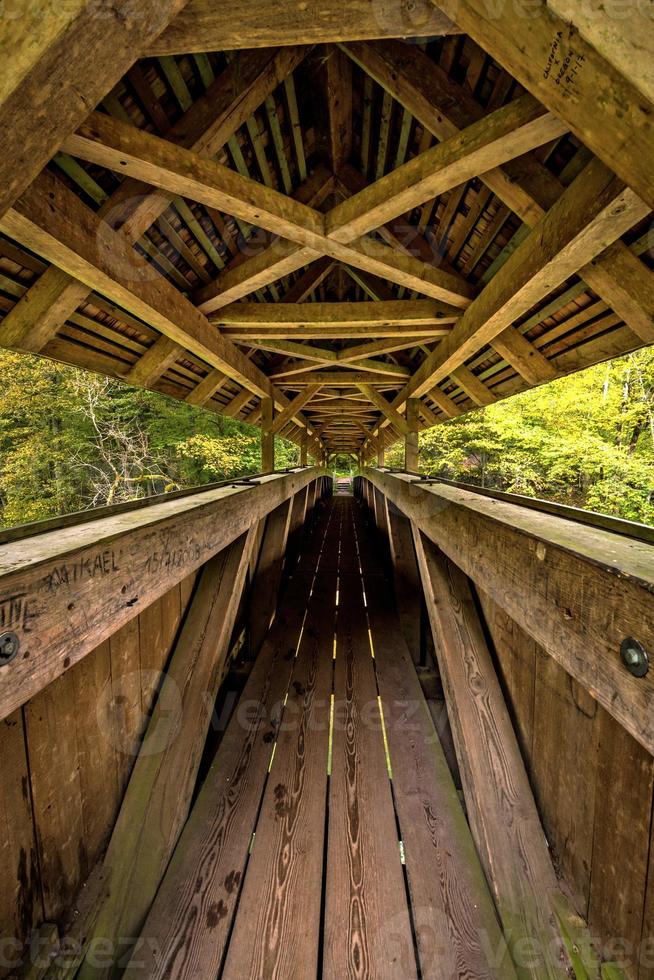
[(265, 588), (303, 450), (408, 592), (380, 514), (411, 438), (296, 528), (380, 448), (151, 817), (501, 808), (267, 436)]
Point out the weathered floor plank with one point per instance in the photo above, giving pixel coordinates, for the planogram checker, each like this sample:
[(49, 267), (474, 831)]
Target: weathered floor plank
[(277, 929), (185, 935), (367, 925), (456, 926)]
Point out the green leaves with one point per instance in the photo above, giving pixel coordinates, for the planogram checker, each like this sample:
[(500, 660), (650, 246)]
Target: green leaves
[(586, 440)]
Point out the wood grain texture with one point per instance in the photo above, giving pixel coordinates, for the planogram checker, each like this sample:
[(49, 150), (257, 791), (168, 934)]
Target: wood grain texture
[(575, 93), (151, 817), (21, 905), (501, 808), (406, 580), (565, 764), (620, 843), (367, 927), (191, 918), (452, 909), (515, 653), (267, 578), (66, 591), (283, 882), (204, 28), (573, 589), (52, 83)]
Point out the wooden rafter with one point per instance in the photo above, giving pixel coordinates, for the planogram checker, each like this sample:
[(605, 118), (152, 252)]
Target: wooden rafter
[(69, 57), (600, 103), (433, 239), (205, 27), (89, 251)]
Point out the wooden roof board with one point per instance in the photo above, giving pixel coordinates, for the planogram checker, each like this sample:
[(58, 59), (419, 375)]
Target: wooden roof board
[(278, 143)]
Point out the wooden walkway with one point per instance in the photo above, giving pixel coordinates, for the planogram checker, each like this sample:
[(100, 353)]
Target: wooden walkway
[(328, 838)]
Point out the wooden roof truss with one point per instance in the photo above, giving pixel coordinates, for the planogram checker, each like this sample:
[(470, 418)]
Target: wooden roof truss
[(342, 222)]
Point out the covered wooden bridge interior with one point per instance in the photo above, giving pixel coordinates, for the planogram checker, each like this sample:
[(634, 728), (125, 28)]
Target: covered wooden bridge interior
[(254, 730)]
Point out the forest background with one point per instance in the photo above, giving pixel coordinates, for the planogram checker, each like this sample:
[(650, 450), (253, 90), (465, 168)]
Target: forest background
[(70, 440)]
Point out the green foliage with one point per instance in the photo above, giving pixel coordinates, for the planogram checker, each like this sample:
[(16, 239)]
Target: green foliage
[(70, 440), (585, 440)]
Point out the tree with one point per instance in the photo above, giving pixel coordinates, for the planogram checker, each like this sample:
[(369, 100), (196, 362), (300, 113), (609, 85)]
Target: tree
[(586, 440), (70, 440)]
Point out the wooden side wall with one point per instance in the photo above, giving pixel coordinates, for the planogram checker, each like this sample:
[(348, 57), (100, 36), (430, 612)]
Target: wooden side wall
[(594, 787), (66, 758)]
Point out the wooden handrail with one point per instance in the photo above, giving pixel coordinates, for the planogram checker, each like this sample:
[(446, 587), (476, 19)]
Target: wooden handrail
[(578, 591), (65, 590)]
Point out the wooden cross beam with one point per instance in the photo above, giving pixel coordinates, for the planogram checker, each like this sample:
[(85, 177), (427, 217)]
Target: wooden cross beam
[(394, 417), (592, 213), (507, 133), (295, 406), (134, 207), (205, 27), (65, 56), (600, 103), (368, 316), (526, 186), (53, 221)]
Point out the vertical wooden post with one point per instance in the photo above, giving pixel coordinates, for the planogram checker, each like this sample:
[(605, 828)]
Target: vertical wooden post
[(296, 528), (267, 437), (381, 447), (411, 440), (265, 588), (501, 809), (408, 589), (303, 450), (151, 816)]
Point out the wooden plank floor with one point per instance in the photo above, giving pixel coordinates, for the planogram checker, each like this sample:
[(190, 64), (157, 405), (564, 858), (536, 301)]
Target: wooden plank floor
[(292, 864)]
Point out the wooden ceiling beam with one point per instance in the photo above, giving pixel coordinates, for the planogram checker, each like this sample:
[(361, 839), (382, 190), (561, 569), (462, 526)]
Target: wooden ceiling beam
[(154, 363), (527, 187), (52, 221), (510, 131), (385, 407), (360, 364), (206, 26), (503, 135), (307, 283), (600, 104), (415, 313), (135, 206), (338, 82), (254, 334), (207, 388), (475, 389), (58, 61), (111, 143), (296, 405), (591, 214), (342, 379)]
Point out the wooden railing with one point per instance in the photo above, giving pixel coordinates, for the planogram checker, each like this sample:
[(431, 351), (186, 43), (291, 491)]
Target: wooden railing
[(125, 623), (65, 590), (540, 624)]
